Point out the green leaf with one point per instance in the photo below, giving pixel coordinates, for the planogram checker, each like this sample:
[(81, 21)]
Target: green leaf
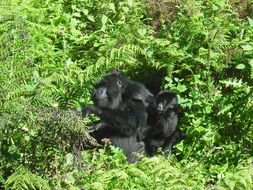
[(181, 88), (69, 159), (73, 7), (77, 14), (214, 7), (208, 109), (27, 138), (70, 179), (68, 62), (104, 19), (240, 66), (221, 3), (85, 11), (36, 75), (29, 87), (251, 62), (142, 31), (180, 147), (112, 7), (91, 18), (247, 47), (130, 3), (225, 109), (200, 129), (251, 65), (250, 21), (125, 9)]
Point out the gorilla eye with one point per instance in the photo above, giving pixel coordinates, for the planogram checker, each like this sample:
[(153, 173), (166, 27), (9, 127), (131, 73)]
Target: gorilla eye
[(119, 83)]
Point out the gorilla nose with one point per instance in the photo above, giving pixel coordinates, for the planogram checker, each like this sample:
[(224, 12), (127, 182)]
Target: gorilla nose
[(100, 93), (160, 107)]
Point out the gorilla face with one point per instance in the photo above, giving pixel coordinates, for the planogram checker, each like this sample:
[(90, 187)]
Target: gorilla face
[(167, 110), (166, 102), (108, 92)]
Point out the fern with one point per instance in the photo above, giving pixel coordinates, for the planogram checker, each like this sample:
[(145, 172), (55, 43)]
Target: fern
[(242, 179), (232, 82), (23, 179)]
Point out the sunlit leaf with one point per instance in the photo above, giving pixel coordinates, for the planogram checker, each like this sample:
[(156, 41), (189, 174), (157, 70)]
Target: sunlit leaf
[(70, 179), (181, 88), (130, 3), (36, 75), (250, 21), (30, 87), (225, 109), (125, 9), (240, 66), (247, 47), (251, 63), (104, 19), (85, 11), (69, 159), (112, 7), (142, 31), (77, 14), (200, 129), (91, 18)]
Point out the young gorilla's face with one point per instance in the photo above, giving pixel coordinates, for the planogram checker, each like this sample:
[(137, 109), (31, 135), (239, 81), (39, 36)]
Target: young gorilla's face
[(166, 102), (108, 92)]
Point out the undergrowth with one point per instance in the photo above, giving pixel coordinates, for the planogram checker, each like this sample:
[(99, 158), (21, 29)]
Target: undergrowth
[(51, 54)]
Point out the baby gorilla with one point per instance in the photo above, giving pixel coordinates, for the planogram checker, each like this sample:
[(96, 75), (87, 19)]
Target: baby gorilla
[(121, 105), (162, 132)]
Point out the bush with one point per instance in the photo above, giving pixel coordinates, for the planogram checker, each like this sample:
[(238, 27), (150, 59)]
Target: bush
[(52, 52)]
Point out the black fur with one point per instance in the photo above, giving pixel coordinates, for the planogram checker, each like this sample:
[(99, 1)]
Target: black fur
[(162, 131), (121, 105)]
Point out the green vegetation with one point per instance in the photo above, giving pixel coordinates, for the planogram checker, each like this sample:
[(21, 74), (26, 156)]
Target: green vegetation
[(52, 52)]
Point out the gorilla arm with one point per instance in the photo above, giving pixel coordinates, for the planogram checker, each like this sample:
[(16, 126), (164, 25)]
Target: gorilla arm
[(124, 122)]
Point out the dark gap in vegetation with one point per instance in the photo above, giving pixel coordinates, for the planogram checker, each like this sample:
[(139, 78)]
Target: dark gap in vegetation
[(151, 77)]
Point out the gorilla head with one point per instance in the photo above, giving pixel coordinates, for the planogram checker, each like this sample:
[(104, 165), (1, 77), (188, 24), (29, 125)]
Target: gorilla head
[(115, 89), (167, 110), (108, 91), (166, 101)]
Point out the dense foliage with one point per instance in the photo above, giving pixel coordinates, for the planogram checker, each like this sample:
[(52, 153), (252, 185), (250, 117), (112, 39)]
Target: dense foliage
[(52, 51)]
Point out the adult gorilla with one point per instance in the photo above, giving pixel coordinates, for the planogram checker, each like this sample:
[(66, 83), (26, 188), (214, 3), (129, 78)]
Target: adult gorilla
[(122, 106)]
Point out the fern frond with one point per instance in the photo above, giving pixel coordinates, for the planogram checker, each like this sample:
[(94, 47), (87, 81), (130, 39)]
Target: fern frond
[(23, 179), (232, 82)]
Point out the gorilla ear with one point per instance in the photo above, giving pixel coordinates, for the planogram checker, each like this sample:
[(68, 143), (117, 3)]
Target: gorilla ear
[(119, 83)]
